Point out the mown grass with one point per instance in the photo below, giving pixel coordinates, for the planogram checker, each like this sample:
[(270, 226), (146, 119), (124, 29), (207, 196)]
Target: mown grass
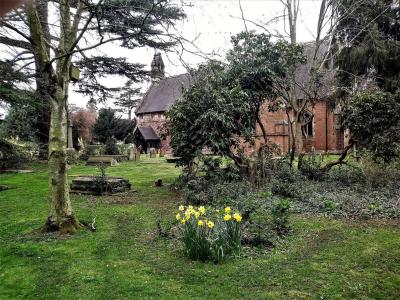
[(125, 258)]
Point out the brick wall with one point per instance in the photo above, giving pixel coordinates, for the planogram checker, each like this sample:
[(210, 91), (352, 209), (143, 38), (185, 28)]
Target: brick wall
[(326, 134)]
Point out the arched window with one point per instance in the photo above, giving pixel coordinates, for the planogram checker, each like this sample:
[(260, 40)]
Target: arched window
[(308, 128)]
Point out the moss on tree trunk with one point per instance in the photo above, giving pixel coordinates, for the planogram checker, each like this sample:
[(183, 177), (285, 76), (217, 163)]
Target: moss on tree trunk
[(61, 217)]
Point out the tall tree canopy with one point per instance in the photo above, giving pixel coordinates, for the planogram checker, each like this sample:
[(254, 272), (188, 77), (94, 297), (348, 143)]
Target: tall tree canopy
[(223, 105), (109, 125), (48, 36), (373, 119), (368, 43), (367, 55), (128, 98)]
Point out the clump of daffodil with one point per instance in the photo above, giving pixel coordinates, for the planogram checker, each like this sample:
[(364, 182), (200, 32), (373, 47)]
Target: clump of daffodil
[(237, 217), (190, 211), (204, 239), (202, 210), (227, 217)]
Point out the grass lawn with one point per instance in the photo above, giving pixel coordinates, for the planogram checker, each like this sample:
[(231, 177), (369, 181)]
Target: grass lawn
[(125, 259)]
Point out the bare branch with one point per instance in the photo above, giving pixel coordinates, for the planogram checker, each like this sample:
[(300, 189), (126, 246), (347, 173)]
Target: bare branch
[(16, 43), (13, 28), (244, 20)]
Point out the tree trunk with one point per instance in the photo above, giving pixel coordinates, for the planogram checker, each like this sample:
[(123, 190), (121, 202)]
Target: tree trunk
[(299, 137), (61, 217)]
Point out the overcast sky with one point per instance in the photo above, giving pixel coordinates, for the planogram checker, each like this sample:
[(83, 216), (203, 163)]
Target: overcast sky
[(212, 23)]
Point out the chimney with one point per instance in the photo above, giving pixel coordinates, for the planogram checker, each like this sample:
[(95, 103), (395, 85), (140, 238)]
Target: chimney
[(157, 68)]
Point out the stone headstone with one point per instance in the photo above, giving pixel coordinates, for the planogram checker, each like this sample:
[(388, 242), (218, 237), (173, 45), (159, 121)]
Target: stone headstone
[(137, 155), (101, 160), (132, 153), (162, 152), (153, 153)]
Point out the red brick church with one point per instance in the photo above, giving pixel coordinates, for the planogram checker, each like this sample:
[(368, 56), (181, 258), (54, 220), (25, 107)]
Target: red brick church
[(322, 133)]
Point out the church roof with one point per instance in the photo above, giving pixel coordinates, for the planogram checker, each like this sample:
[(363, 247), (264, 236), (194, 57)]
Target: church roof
[(327, 74), (163, 94), (148, 134)]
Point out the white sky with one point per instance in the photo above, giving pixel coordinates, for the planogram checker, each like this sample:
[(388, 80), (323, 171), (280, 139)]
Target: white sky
[(213, 23)]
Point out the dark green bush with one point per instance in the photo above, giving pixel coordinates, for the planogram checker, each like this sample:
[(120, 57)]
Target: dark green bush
[(346, 175), (280, 216), (111, 147), (196, 191), (215, 172), (72, 156), (257, 230), (124, 149), (91, 150), (310, 166), (12, 155)]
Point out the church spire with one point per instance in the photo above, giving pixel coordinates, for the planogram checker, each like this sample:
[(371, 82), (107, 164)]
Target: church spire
[(157, 68)]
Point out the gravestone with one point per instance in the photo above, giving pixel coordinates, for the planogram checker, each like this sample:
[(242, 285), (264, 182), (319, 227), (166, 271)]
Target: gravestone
[(162, 152), (97, 185), (153, 153), (137, 155), (101, 160), (173, 159), (132, 152)]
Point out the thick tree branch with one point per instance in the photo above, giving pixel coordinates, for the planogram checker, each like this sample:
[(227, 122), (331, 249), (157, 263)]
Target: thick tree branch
[(340, 160), (16, 43)]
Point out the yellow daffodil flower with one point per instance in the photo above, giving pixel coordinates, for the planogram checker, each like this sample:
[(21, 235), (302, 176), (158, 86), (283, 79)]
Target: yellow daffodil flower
[(202, 210), (210, 224), (196, 214), (227, 217), (183, 221), (227, 210), (178, 216), (181, 208), (200, 223), (237, 217), (190, 207)]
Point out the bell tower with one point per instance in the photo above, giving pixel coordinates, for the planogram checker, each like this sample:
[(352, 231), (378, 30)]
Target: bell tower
[(157, 68)]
